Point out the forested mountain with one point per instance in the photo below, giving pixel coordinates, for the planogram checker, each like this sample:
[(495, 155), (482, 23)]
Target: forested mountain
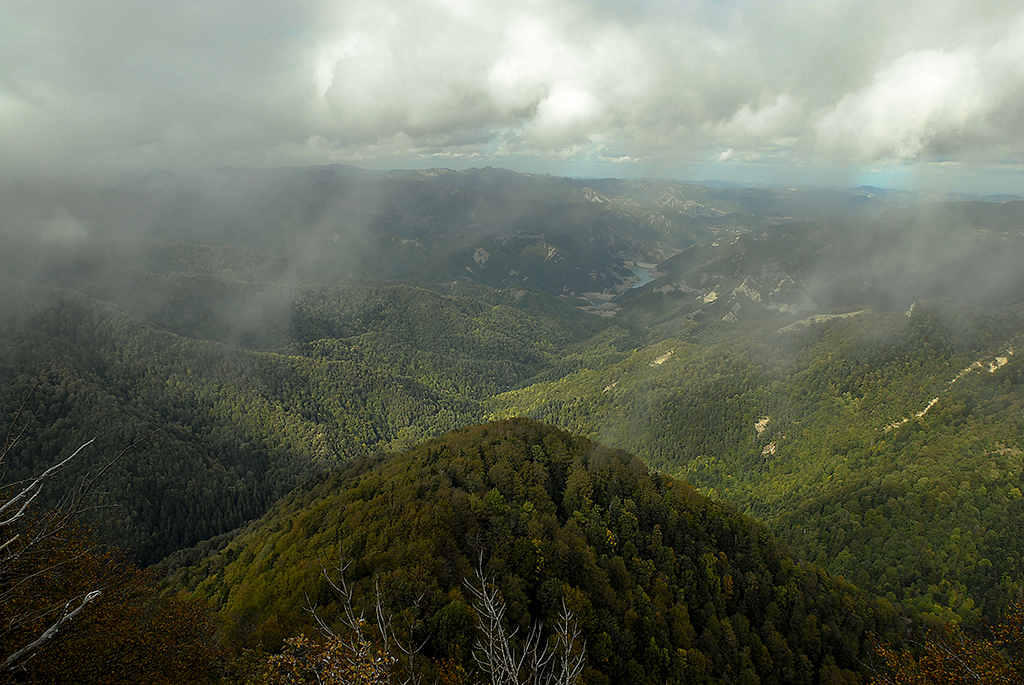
[(870, 441), (967, 251), (150, 242), (217, 433), (843, 366), (668, 584)]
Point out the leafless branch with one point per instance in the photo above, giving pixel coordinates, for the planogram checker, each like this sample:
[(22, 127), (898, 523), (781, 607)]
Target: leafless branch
[(32, 490), (10, 442), (536, 661), (52, 630), (358, 625), (569, 643), (27, 536), (536, 658)]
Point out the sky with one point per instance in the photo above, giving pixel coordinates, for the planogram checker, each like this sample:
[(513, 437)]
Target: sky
[(903, 94)]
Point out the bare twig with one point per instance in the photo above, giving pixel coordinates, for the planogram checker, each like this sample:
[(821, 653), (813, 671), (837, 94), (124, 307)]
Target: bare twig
[(30, 537), (31, 491), (536, 661), (52, 630), (9, 443), (393, 649)]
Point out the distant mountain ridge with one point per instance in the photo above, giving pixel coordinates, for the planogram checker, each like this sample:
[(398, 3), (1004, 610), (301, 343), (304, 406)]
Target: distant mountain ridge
[(802, 250)]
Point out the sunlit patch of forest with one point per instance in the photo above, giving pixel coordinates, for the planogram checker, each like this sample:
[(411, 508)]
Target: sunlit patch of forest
[(783, 459)]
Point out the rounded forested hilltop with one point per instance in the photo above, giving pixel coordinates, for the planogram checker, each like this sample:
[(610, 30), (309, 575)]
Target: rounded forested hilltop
[(670, 586)]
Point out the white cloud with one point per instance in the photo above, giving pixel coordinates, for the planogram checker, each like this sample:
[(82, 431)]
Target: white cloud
[(935, 104), (116, 83), (529, 58), (919, 97), (566, 116), (773, 123)]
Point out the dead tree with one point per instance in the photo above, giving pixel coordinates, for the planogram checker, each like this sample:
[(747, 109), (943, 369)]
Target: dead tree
[(21, 539), (30, 545), (395, 659), (533, 660)]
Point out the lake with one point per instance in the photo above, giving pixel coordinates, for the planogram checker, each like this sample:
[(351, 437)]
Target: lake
[(644, 273)]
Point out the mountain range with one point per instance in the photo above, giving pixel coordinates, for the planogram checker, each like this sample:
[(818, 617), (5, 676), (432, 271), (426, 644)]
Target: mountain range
[(837, 371)]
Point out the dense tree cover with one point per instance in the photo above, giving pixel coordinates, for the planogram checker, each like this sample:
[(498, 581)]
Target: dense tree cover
[(924, 511), (470, 341), (668, 584), (822, 431), (243, 337), (235, 429), (932, 526), (949, 655)]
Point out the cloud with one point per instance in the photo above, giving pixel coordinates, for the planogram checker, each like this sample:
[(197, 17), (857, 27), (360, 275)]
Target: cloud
[(62, 228), (911, 102), (758, 132), (930, 104), (115, 83)]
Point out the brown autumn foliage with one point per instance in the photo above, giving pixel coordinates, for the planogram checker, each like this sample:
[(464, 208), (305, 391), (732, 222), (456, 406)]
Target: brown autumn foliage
[(949, 655), (128, 634), (335, 661)]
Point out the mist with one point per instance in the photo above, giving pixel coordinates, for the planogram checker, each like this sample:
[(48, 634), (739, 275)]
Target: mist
[(965, 251), (224, 254), (215, 255)]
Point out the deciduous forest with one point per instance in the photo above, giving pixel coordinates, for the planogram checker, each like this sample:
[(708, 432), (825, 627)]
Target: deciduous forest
[(377, 427)]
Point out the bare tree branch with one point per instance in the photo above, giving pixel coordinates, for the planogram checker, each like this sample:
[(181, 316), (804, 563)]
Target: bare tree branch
[(572, 647), (394, 650), (28, 536), (536, 661), (52, 630), (31, 491), (9, 443), (536, 658)]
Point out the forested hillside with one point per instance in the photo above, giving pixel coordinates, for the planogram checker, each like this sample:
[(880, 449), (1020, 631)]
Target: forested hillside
[(668, 584), (843, 366), (882, 446), (218, 433)]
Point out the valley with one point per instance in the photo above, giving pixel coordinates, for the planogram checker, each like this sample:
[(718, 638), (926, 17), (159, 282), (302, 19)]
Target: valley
[(740, 430)]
